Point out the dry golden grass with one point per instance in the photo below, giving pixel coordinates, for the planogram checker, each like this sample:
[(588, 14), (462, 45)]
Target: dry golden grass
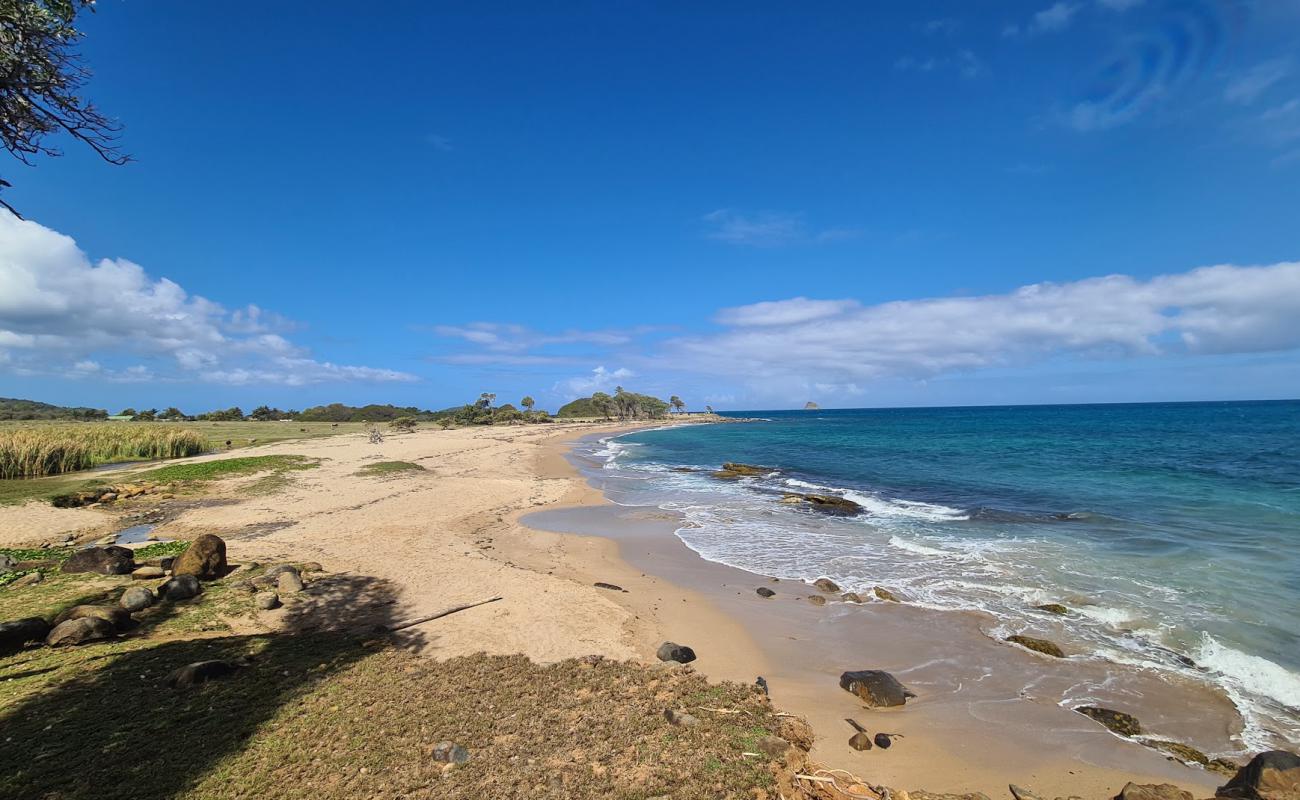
[(33, 452)]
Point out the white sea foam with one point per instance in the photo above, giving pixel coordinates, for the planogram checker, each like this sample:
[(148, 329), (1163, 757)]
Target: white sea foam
[(919, 549), (1254, 674)]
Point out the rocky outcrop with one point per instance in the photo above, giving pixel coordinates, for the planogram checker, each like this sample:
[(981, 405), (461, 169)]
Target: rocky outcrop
[(1152, 791), (732, 470), (1274, 775), (1043, 646), (205, 559), (15, 635), (1116, 721), (830, 504), (111, 560), (851, 597), (116, 616), (1182, 752), (1053, 608), (80, 631), (876, 688), (181, 587), (671, 651), (827, 585)]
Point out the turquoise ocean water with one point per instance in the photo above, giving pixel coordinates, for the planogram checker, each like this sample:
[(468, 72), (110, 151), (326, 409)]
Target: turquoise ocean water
[(1172, 530)]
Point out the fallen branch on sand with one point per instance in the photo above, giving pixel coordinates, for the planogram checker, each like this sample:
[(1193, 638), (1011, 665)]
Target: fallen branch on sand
[(429, 617)]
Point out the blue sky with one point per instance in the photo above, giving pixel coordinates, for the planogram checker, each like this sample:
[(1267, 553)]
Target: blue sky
[(747, 204)]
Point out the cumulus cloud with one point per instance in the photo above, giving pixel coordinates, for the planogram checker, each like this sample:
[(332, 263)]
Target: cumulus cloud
[(768, 229), (62, 314), (1212, 310), (599, 380)]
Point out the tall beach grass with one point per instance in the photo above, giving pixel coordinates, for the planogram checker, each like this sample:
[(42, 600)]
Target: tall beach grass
[(56, 449)]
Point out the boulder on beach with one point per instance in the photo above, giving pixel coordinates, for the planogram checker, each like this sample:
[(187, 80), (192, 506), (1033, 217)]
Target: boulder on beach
[(1043, 646), (876, 688), (180, 587), (148, 573), (763, 591), (1116, 721), (205, 558), (1183, 752), (1274, 775), (830, 504), (289, 583), (851, 597), (1053, 608), (136, 598), (266, 600), (671, 651), (17, 634), (827, 585), (1152, 791), (817, 599), (116, 616), (884, 594), (111, 560), (79, 631)]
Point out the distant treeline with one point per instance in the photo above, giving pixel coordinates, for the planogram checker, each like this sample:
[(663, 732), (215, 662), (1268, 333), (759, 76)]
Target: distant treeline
[(13, 408), (622, 404)]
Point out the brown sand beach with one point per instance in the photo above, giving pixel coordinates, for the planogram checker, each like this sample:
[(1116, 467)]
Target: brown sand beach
[(459, 530)]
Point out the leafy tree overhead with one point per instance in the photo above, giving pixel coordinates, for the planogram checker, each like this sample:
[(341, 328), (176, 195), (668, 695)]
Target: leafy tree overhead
[(41, 78)]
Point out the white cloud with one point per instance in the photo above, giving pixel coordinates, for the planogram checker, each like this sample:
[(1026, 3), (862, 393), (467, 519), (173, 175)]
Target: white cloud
[(1251, 85), (57, 309), (1213, 310), (1054, 18), (599, 380), (768, 229), (505, 337)]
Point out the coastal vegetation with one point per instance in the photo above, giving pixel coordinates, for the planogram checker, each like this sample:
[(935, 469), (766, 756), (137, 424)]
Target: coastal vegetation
[(53, 450), (381, 468), (623, 405), (14, 409)]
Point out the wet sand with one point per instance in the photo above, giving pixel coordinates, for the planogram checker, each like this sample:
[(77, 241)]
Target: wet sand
[(988, 713)]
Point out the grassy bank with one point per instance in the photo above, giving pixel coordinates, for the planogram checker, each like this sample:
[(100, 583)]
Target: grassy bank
[(41, 451)]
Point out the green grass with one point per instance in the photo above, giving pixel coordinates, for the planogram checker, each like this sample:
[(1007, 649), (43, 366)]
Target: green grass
[(388, 468), (224, 468)]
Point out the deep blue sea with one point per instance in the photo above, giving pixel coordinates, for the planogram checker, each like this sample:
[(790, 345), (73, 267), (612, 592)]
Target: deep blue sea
[(1172, 530)]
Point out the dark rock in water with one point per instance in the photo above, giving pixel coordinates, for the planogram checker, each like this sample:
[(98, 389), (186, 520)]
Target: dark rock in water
[(1274, 775), (746, 469), (613, 587), (886, 595), (111, 560), (1116, 721), (671, 651), (763, 591), (851, 597), (876, 688), (1151, 791), (136, 598), (181, 587), (450, 753), (1053, 608), (826, 585), (205, 558), (18, 633), (199, 672), (116, 616), (79, 631), (1183, 752), (1037, 645), (830, 504)]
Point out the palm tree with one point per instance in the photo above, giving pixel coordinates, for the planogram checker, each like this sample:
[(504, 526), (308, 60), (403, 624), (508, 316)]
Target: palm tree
[(676, 403)]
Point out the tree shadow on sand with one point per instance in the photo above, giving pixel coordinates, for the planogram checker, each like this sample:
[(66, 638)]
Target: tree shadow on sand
[(116, 730)]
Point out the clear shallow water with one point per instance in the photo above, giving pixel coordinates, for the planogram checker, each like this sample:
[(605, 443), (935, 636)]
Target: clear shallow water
[(1171, 529)]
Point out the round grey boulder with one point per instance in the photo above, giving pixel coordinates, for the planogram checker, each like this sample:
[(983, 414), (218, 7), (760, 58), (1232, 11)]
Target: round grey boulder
[(136, 598), (180, 587), (266, 600), (80, 631), (671, 651)]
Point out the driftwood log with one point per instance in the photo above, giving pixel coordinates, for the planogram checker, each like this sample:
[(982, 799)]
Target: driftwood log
[(437, 614)]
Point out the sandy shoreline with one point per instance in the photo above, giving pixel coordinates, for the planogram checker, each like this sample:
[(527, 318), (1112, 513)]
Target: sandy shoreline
[(452, 533)]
